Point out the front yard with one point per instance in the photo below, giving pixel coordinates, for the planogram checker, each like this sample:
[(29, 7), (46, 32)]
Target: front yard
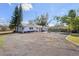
[(74, 38), (1, 40), (2, 34)]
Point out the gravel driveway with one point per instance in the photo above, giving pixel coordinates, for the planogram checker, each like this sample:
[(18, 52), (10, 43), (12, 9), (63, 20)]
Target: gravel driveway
[(38, 44)]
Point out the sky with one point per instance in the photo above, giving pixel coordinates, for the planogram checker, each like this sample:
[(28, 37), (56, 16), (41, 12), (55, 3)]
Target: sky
[(31, 11)]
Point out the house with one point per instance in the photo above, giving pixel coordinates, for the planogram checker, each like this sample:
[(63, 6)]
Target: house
[(31, 28), (0, 27), (4, 28)]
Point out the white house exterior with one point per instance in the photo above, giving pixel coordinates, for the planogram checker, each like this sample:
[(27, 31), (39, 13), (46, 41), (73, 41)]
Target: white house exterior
[(31, 28)]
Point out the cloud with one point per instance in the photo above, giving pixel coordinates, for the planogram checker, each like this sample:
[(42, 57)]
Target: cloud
[(3, 21), (51, 24), (9, 4), (26, 6), (24, 22)]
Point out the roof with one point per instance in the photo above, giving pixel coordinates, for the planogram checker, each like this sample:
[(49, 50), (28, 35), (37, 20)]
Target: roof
[(31, 25)]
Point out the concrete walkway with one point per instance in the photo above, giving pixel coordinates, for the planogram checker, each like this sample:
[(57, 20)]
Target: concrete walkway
[(38, 44)]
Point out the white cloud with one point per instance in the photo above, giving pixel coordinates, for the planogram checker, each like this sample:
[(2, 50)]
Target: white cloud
[(9, 4), (3, 21), (51, 24), (24, 22), (26, 6)]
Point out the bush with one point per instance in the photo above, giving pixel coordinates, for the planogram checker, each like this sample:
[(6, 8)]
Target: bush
[(56, 30)]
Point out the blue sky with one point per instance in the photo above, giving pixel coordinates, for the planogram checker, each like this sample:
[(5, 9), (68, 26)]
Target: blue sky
[(54, 9)]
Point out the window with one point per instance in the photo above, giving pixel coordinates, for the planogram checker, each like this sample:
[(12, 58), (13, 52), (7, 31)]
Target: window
[(30, 28)]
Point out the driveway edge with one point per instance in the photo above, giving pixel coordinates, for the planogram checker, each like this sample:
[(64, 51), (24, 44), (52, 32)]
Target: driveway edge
[(72, 41)]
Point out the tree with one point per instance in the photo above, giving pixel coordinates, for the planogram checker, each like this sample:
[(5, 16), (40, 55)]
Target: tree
[(71, 20), (72, 13), (31, 21), (20, 14), (12, 25), (16, 18), (42, 20), (57, 18), (76, 23)]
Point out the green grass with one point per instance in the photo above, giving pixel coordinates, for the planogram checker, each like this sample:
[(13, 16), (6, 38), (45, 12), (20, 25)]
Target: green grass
[(74, 38), (1, 40)]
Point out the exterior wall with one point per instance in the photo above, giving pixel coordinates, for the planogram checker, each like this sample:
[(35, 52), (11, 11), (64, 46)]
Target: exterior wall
[(26, 29), (20, 29), (31, 29), (36, 29)]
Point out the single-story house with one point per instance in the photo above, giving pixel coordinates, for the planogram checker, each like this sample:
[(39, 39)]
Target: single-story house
[(31, 28), (4, 28)]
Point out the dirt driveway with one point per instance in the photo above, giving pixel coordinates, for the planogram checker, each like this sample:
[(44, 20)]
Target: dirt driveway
[(38, 44)]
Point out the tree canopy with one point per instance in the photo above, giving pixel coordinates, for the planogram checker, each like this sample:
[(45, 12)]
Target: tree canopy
[(42, 20), (17, 18), (71, 20)]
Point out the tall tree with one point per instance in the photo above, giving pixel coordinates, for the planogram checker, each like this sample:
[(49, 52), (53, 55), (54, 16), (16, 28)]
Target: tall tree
[(72, 13), (16, 18), (31, 21), (20, 15), (42, 20), (70, 20)]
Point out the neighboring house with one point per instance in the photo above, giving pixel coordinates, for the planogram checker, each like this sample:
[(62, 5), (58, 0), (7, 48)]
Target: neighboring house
[(0, 27), (31, 28), (4, 28)]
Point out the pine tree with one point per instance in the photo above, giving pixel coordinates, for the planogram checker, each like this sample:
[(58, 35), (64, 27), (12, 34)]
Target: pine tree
[(16, 18), (20, 15)]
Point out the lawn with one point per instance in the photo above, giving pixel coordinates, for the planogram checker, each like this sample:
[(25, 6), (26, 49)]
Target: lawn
[(1, 40), (74, 38), (2, 37)]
